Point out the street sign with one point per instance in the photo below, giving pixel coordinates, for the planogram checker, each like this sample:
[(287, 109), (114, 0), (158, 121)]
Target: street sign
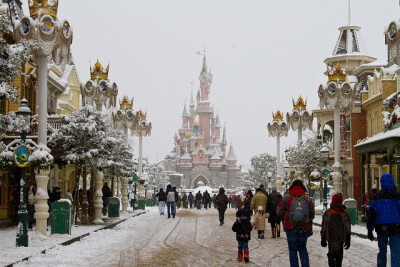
[(325, 174), (286, 180), (135, 178)]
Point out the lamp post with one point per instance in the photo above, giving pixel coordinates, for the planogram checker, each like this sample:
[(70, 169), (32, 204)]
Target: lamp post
[(23, 113), (269, 175), (338, 94), (277, 129), (286, 178), (325, 156), (53, 38), (300, 118)]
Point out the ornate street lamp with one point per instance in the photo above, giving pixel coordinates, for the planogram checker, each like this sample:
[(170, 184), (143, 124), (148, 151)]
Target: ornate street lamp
[(338, 94), (300, 118), (286, 180), (269, 175), (21, 155), (325, 157), (277, 129), (53, 38)]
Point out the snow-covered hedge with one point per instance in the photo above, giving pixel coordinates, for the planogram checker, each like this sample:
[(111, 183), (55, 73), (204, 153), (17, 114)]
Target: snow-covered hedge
[(41, 159), (390, 119), (6, 160)]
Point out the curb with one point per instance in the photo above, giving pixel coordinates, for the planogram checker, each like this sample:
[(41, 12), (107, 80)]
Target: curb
[(352, 233), (76, 239)]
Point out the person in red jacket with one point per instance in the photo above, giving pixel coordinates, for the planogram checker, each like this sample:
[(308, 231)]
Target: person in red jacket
[(297, 211), (336, 230)]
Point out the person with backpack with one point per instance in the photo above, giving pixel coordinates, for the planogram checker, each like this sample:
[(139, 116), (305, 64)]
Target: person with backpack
[(222, 204), (384, 216), (297, 211), (106, 196), (273, 200), (336, 230), (170, 199)]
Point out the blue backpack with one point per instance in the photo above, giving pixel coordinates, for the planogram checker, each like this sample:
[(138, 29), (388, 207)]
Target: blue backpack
[(299, 211)]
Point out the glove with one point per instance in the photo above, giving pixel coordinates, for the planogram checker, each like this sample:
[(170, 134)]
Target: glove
[(370, 236), (347, 244), (323, 242)]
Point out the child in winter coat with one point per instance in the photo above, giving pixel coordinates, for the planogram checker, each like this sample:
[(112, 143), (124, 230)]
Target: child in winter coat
[(259, 221), (242, 227), (336, 230)]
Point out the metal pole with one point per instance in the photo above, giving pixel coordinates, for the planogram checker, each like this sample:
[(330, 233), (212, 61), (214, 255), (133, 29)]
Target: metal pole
[(22, 234), (300, 133), (337, 133), (42, 100), (140, 154)]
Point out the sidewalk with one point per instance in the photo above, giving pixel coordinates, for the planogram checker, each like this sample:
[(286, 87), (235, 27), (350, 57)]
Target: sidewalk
[(39, 244)]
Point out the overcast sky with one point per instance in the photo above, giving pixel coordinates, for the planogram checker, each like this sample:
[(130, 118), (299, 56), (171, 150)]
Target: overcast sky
[(262, 53)]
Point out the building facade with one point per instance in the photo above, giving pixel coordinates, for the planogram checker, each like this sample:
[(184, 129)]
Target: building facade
[(200, 151)]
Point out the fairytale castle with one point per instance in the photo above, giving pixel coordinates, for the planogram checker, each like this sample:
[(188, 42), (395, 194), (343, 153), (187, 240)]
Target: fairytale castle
[(199, 153)]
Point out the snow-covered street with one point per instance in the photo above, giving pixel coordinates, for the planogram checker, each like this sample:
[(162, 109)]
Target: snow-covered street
[(193, 238)]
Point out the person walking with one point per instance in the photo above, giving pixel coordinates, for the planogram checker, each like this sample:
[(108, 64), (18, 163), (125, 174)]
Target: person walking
[(206, 199), (259, 199), (190, 199), (68, 196), (213, 198), (336, 231), (273, 200), (384, 216), (170, 198), (31, 207), (259, 221), (242, 227), (185, 201), (297, 211), (246, 205), (106, 195), (161, 201), (262, 188), (222, 204), (198, 200)]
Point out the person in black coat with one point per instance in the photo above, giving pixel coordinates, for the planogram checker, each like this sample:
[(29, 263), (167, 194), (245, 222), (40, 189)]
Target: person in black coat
[(161, 201), (106, 195), (242, 227), (198, 200), (273, 201), (190, 199)]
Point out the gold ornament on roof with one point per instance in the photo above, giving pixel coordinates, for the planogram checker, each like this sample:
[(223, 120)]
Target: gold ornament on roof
[(99, 72), (277, 116), (300, 104), (336, 73), (43, 7), (125, 103), (141, 116)]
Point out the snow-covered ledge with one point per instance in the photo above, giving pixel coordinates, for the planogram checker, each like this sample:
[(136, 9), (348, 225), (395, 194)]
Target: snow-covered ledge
[(98, 201)]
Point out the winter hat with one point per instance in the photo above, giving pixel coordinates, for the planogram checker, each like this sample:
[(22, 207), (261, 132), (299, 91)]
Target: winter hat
[(337, 199), (239, 204), (387, 181), (68, 190), (247, 195), (260, 208)]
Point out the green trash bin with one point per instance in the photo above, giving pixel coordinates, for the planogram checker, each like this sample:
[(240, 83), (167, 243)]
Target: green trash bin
[(352, 210), (141, 203), (61, 217), (149, 202), (113, 207)]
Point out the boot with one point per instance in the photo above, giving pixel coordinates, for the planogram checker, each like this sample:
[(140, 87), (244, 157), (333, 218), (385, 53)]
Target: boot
[(273, 231), (278, 228), (240, 255), (246, 255)]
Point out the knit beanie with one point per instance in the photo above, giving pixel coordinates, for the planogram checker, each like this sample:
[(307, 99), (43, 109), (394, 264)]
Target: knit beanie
[(337, 199), (239, 204)]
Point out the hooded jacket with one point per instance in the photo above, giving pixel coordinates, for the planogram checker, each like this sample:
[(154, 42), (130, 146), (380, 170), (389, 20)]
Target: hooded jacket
[(169, 189), (221, 200), (336, 227), (384, 211), (284, 207)]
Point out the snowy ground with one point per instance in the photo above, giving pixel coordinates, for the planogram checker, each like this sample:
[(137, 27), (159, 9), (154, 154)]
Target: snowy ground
[(38, 242), (193, 238)]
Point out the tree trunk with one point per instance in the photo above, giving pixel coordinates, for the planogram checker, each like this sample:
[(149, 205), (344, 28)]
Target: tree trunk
[(76, 197), (84, 218)]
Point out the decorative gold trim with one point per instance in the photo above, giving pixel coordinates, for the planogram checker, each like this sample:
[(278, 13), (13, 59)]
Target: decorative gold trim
[(47, 7)]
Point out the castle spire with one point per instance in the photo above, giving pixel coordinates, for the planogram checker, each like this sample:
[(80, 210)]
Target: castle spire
[(191, 95), (198, 97), (224, 143), (185, 113)]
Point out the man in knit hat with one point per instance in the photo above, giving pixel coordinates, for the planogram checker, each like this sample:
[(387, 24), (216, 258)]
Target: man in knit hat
[(336, 230)]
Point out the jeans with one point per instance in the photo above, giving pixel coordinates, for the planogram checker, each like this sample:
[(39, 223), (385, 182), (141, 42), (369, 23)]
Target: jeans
[(335, 255), (171, 208), (394, 249), (198, 204), (105, 204), (297, 241), (161, 207), (242, 245), (221, 214)]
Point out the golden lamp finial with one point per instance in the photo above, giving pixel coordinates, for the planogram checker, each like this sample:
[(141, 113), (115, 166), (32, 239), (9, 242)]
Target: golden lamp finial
[(300, 104), (43, 7), (125, 103), (99, 72), (336, 73), (277, 116)]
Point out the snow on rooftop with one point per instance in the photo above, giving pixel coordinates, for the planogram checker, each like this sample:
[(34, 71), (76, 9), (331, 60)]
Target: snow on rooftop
[(381, 136)]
